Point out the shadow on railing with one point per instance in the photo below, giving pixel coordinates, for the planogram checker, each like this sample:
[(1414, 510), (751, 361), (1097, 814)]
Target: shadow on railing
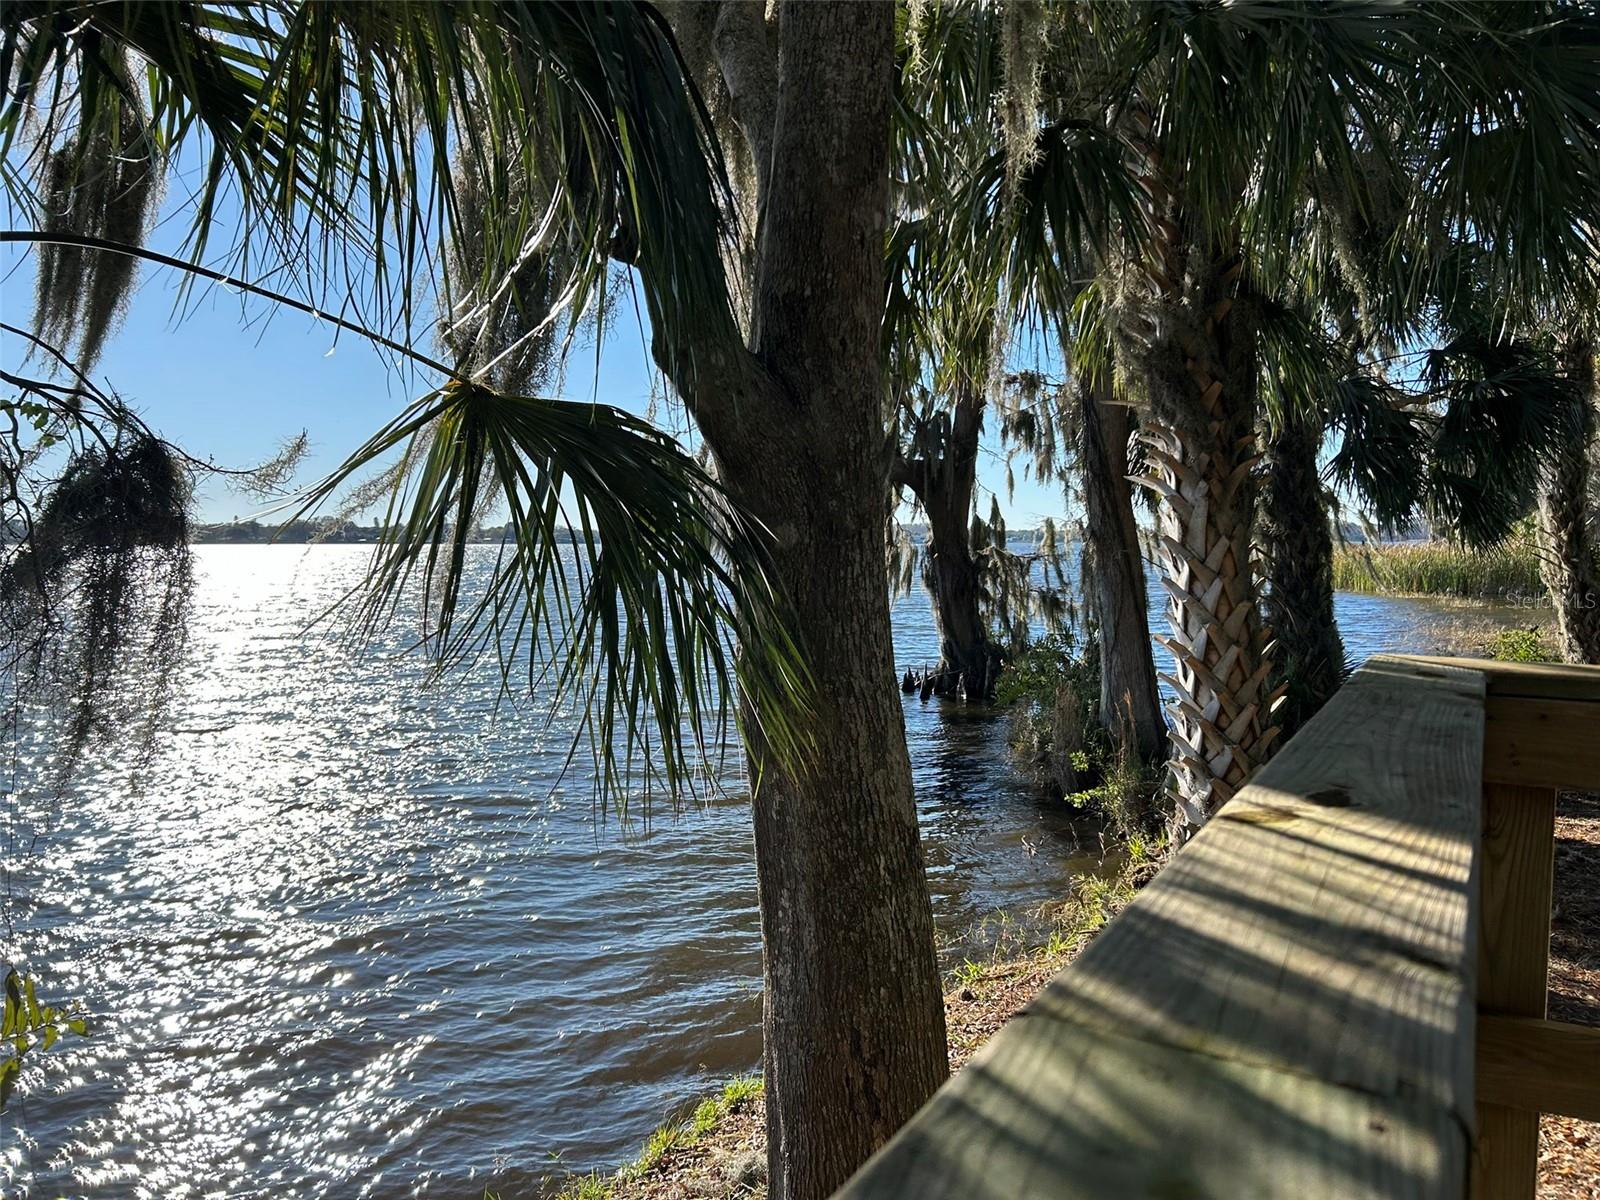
[(1336, 990)]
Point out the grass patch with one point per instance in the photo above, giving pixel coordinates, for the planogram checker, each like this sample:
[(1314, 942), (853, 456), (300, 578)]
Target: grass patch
[(1508, 572), (673, 1136)]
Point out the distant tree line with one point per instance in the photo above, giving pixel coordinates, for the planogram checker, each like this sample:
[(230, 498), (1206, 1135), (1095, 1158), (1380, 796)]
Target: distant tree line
[(330, 530)]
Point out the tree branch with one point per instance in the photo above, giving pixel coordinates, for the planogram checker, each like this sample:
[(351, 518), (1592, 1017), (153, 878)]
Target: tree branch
[(749, 63)]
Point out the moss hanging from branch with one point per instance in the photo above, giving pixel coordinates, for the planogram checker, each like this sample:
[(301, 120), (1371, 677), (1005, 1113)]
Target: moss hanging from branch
[(96, 595), (101, 181)]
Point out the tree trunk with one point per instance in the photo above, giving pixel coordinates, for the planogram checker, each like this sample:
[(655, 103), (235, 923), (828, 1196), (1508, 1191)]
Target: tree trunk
[(1194, 338), (1298, 545), (1569, 526), (944, 486), (1130, 701), (1202, 378), (853, 1017)]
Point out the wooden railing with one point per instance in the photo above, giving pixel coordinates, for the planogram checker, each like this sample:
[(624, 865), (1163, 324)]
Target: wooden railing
[(1336, 990)]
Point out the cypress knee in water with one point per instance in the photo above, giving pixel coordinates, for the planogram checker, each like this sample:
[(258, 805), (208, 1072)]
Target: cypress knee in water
[(908, 682)]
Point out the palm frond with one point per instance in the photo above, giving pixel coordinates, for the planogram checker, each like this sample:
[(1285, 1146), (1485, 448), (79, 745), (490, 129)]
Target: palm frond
[(343, 145), (1380, 439), (1503, 134), (1504, 406), (634, 628), (341, 133)]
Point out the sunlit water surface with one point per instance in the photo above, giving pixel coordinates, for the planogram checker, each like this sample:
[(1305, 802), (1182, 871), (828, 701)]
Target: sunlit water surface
[(344, 940)]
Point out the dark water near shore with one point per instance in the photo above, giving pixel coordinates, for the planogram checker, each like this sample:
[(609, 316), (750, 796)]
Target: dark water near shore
[(345, 942)]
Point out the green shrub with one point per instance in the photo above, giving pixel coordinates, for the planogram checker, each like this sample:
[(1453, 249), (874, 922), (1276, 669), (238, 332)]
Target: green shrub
[(1054, 694), (1522, 646)]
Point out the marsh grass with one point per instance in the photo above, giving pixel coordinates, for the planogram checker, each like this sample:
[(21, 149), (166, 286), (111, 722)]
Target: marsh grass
[(1508, 572)]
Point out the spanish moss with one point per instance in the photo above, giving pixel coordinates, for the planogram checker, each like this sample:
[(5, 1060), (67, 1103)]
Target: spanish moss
[(94, 595), (102, 181)]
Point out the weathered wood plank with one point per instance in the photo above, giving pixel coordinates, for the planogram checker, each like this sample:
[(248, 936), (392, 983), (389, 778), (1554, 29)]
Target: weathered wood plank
[(1519, 825), (1539, 1066), (1513, 965), (1053, 1111), (1503, 1167), (1286, 1010), (1542, 743), (1551, 681)]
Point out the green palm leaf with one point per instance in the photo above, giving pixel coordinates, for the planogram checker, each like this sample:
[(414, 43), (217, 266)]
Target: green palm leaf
[(340, 131), (635, 630)]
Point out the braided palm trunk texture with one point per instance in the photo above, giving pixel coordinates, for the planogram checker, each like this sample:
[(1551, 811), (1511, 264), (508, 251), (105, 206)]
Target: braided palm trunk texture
[(1200, 450)]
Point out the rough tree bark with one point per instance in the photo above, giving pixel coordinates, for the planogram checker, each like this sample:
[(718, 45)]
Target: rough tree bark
[(944, 485), (1569, 526), (1194, 337), (1130, 701), (1297, 542), (853, 1018), (1202, 456)]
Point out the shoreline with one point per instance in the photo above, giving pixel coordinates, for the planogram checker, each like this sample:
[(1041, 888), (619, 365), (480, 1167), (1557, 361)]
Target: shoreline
[(717, 1149)]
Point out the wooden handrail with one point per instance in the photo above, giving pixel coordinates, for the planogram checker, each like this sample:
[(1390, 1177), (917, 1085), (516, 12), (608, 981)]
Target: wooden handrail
[(1541, 735), (1539, 1066), (1542, 723), (1287, 1009), (1291, 1007)]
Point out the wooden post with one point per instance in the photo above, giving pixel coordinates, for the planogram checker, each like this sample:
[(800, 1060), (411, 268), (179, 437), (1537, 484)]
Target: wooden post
[(1513, 966)]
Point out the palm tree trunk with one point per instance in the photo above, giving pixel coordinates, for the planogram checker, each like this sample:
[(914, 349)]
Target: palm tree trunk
[(1569, 525), (1130, 701), (1297, 542), (944, 486), (853, 1014), (1202, 377), (1193, 338)]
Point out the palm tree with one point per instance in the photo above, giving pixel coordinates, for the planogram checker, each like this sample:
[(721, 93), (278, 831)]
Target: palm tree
[(1297, 543), (1242, 121)]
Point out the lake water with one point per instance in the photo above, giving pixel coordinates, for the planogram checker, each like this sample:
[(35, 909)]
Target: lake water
[(344, 941)]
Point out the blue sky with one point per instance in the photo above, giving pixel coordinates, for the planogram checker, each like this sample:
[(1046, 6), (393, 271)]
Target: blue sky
[(231, 382)]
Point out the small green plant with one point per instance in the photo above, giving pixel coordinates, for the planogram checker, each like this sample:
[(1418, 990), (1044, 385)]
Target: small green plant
[(968, 973), (593, 1186), (1522, 646), (27, 1023)]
